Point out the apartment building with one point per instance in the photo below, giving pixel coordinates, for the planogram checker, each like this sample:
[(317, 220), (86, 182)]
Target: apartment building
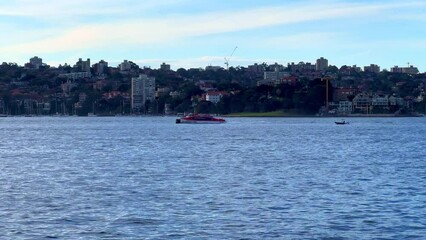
[(143, 89)]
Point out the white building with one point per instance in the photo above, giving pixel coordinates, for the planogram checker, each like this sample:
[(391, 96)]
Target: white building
[(362, 102), (214, 97), (380, 101), (396, 101), (143, 89), (345, 107)]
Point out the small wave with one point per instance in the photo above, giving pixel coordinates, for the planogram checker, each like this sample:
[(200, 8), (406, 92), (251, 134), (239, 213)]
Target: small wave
[(137, 221)]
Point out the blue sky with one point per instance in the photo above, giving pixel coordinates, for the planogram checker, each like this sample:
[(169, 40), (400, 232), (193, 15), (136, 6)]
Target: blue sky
[(194, 33)]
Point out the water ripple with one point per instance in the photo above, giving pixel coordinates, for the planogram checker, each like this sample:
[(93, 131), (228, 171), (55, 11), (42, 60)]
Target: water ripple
[(260, 178)]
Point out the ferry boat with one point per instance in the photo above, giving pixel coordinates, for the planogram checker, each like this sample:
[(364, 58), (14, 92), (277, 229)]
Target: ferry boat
[(200, 118)]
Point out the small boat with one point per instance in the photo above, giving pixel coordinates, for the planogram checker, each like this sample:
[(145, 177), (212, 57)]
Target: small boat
[(341, 122), (200, 118)]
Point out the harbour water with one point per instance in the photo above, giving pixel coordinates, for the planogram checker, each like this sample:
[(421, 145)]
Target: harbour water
[(251, 178)]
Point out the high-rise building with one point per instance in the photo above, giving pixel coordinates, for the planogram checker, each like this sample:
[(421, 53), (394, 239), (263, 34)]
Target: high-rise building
[(321, 64), (410, 69), (274, 75), (125, 66), (83, 66), (373, 68), (143, 89), (165, 67), (36, 62), (276, 67), (301, 67), (100, 67), (256, 68)]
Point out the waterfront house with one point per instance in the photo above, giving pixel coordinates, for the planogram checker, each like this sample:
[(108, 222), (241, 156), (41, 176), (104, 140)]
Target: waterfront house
[(362, 103), (380, 102), (345, 107)]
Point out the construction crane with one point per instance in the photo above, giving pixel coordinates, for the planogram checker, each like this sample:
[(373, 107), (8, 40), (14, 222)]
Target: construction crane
[(228, 58), (326, 79)]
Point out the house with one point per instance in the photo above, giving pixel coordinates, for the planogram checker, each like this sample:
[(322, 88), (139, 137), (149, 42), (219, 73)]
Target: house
[(362, 102), (344, 107), (215, 97), (380, 102), (396, 101)]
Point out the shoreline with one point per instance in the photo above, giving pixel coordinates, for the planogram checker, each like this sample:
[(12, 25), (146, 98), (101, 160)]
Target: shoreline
[(326, 116)]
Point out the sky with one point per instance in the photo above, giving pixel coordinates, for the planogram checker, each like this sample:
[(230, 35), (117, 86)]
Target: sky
[(195, 33)]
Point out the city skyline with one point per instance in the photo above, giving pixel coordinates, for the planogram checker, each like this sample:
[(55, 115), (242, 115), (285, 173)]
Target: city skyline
[(187, 33)]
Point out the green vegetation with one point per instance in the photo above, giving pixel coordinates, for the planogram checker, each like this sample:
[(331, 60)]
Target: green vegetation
[(45, 91)]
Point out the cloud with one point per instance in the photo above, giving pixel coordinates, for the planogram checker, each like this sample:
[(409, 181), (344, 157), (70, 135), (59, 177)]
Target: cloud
[(139, 30), (73, 11), (34, 8), (304, 40), (412, 17), (407, 44)]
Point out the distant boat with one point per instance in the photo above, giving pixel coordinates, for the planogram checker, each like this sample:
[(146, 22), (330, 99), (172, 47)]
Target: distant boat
[(200, 118), (341, 122)]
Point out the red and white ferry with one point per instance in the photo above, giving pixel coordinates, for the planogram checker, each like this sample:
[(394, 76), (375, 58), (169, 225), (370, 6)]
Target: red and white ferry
[(200, 118)]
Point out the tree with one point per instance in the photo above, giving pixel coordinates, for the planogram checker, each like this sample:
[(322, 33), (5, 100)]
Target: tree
[(124, 88), (204, 107), (183, 106), (332, 69), (315, 98), (189, 90), (264, 89)]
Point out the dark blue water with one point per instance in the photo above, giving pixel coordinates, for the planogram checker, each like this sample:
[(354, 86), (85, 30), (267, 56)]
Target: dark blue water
[(251, 178)]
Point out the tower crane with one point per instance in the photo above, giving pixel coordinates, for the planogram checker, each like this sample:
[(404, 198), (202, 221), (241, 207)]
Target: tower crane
[(228, 58)]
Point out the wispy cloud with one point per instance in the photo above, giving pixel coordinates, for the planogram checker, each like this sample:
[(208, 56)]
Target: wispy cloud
[(407, 44), (305, 40), (54, 9), (84, 26), (34, 8), (412, 17), (143, 30)]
